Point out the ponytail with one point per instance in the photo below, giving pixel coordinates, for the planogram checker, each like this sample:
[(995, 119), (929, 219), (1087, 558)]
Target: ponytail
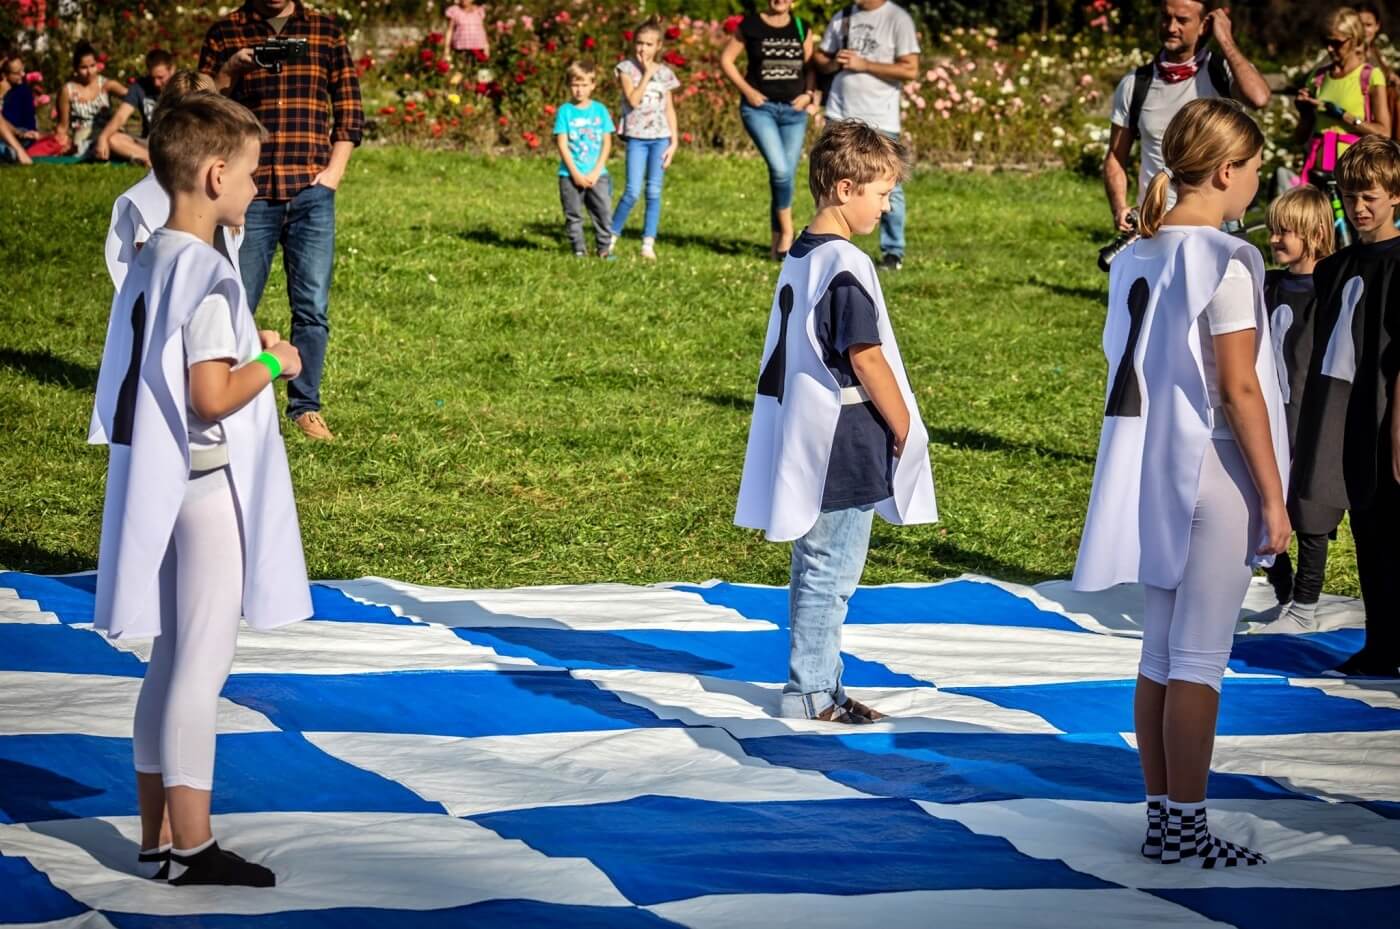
[(1154, 204)]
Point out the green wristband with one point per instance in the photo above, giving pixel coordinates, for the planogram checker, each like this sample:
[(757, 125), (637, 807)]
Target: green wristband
[(269, 361)]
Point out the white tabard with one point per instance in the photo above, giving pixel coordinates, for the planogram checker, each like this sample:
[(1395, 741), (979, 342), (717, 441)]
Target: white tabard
[(1157, 418), (140, 411), (798, 404), (141, 210)]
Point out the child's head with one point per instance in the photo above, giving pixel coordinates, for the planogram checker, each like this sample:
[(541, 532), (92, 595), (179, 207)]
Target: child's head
[(180, 85), (1368, 174), (84, 61), (646, 40), (159, 65), (582, 75), (1300, 226), (1211, 147), (853, 168), (207, 146)]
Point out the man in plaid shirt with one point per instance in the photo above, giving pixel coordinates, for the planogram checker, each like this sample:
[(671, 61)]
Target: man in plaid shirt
[(314, 120)]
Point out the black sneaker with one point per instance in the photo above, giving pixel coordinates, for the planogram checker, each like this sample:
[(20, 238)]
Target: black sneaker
[(213, 865), (891, 262), (1367, 664)]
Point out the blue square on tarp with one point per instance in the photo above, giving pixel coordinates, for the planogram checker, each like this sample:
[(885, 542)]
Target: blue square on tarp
[(954, 602), (62, 649), (69, 776), (1248, 706), (489, 914), (70, 597), (1291, 908), (657, 849), (977, 767), (30, 897), (759, 656), (457, 703)]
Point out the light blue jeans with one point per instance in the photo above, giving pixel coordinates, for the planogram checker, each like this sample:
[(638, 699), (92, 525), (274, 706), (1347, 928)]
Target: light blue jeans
[(826, 566), (892, 223), (778, 130), (643, 165)]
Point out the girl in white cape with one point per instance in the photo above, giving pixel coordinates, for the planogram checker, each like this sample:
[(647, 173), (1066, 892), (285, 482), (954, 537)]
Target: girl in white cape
[(1189, 486)]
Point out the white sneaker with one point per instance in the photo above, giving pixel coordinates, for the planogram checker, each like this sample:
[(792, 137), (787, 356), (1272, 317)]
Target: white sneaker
[(649, 249)]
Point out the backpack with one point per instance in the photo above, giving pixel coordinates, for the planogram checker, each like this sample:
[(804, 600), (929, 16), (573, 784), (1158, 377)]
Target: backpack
[(824, 81), (1144, 75)]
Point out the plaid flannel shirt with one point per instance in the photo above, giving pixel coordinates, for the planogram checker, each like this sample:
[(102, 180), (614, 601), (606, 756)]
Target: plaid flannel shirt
[(296, 105)]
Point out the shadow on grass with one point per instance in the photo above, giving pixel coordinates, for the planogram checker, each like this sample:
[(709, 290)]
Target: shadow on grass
[(28, 556), (729, 402), (717, 244), (942, 559), (527, 238), (1097, 294), (979, 441), (47, 368)]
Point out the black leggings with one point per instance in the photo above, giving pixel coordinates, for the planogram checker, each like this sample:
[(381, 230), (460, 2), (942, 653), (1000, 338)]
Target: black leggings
[(1376, 529), (1305, 586)]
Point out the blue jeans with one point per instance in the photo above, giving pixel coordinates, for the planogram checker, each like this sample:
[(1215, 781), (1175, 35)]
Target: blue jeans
[(892, 223), (826, 566), (305, 228), (778, 130), (643, 164)]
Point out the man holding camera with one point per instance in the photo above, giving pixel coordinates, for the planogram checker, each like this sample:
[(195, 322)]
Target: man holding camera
[(291, 67), (1185, 69)]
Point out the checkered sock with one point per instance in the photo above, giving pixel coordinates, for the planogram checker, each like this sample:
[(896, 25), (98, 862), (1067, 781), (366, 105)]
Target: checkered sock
[(1156, 819), (1188, 836)]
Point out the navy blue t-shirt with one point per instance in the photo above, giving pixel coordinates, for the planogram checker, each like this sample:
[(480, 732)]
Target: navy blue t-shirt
[(861, 469)]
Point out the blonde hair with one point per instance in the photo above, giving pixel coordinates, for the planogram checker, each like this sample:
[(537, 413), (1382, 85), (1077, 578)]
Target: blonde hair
[(1307, 213), (1346, 21), (181, 84), (200, 126), (1202, 136), (850, 150), (581, 67), (1372, 161)]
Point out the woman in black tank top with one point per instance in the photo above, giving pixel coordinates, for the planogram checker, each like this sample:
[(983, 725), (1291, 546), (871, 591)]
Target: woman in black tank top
[(777, 93)]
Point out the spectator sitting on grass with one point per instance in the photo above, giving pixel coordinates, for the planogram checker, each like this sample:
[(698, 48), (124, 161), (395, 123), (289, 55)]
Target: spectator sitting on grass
[(84, 100), (141, 99), (18, 106), (10, 147)]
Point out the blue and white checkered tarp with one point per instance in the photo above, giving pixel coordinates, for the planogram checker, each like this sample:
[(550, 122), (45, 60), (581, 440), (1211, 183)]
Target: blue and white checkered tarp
[(609, 755)]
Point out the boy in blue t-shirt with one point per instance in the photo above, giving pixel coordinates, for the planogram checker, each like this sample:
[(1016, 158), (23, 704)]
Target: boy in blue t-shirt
[(583, 131)]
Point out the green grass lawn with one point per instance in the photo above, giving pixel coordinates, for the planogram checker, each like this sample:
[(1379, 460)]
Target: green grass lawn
[(510, 415)]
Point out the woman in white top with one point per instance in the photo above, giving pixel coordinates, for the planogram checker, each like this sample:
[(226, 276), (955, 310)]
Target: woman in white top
[(84, 101), (1189, 485)]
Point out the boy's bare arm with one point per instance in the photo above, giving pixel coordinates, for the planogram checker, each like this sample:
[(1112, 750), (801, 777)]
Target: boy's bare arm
[(873, 371), (218, 389)]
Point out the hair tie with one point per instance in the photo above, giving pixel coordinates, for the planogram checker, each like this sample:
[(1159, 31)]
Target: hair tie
[(1171, 175)]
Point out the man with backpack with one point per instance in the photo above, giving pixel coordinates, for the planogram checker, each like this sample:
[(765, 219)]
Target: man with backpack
[(1185, 69)]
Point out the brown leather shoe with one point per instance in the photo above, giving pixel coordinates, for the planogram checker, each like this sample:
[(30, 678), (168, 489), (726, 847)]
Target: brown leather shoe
[(313, 426)]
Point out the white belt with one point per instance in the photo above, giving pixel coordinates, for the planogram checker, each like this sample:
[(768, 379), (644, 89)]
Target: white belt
[(850, 396)]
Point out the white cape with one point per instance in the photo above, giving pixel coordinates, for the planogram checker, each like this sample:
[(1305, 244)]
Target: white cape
[(1157, 418), (138, 212), (793, 425), (140, 411)]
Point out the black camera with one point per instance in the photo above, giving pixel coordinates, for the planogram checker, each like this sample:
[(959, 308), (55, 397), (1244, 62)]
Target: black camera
[(272, 54), (1113, 249)]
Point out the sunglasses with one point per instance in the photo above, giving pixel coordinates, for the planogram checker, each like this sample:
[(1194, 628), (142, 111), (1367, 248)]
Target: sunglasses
[(1335, 43)]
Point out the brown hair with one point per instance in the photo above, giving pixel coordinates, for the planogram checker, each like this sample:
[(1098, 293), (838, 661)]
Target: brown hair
[(157, 57), (850, 150), (181, 85), (1307, 213), (1202, 136), (196, 128), (651, 25), (581, 67), (1372, 161)]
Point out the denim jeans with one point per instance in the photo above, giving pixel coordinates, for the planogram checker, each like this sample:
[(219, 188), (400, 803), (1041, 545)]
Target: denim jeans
[(305, 228), (597, 200), (643, 165), (826, 566), (778, 130), (892, 223)]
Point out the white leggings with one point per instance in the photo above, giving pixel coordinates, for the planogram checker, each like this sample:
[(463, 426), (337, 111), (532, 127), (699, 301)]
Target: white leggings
[(201, 599), (1187, 632)]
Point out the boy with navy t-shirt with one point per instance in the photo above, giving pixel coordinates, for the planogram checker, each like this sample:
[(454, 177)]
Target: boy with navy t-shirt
[(836, 435), (583, 131)]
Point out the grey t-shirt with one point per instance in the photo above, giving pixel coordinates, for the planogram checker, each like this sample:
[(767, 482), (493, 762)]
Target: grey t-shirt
[(1162, 103), (882, 35)]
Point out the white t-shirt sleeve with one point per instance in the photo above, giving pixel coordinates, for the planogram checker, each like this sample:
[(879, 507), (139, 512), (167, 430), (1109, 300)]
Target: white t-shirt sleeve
[(209, 333), (1122, 96), (831, 39), (906, 36), (1232, 307)]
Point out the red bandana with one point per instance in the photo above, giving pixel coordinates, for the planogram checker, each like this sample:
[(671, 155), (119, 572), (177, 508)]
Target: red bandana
[(1171, 73)]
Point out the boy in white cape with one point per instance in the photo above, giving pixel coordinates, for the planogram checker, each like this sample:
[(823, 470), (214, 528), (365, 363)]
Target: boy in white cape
[(836, 435), (199, 527)]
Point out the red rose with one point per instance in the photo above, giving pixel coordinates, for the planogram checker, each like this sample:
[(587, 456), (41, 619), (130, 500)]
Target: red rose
[(426, 55), (388, 110), (520, 79), (411, 105), (479, 54), (731, 25), (503, 121), (687, 138), (563, 16), (628, 35), (482, 87), (437, 130), (435, 38), (444, 66), (673, 33), (589, 42), (454, 122), (551, 45), (674, 59)]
